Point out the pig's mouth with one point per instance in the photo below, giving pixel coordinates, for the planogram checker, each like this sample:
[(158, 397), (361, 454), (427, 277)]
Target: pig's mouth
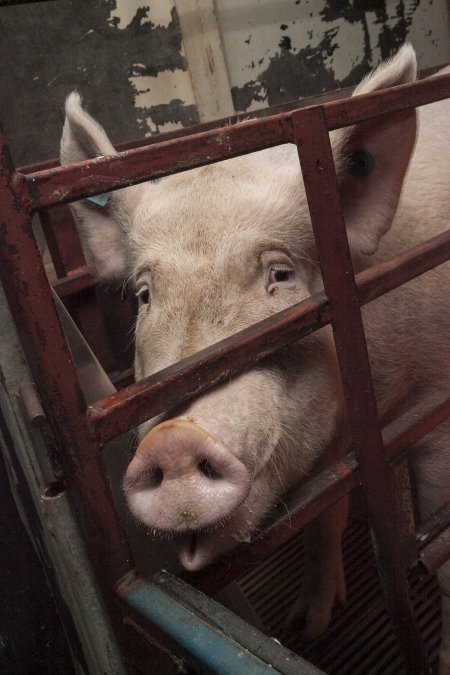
[(193, 554), (198, 548)]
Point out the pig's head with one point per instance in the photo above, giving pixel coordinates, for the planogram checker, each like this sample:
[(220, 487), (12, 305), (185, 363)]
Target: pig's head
[(209, 252)]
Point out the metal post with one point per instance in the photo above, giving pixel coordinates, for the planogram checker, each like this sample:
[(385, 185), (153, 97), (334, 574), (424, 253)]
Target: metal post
[(29, 296), (312, 139)]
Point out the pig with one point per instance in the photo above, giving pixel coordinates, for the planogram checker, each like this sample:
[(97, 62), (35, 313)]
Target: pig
[(215, 249)]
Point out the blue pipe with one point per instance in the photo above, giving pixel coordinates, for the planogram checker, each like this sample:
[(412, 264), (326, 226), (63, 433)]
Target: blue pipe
[(208, 645)]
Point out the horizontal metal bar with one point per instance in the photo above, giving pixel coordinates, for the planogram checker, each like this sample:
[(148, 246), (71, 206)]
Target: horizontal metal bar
[(133, 405), (104, 174), (74, 282), (212, 365), (437, 522), (212, 635), (434, 554), (408, 265), (270, 111), (365, 107), (302, 504)]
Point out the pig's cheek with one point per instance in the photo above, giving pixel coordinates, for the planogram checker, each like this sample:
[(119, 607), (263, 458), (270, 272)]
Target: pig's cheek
[(258, 504)]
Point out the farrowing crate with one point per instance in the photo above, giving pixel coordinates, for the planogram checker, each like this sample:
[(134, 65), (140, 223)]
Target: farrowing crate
[(81, 432)]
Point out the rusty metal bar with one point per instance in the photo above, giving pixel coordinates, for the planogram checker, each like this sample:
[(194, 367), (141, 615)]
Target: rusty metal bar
[(29, 296), (301, 505), (155, 394), (434, 525), (75, 281), (232, 120), (103, 174), (316, 159), (434, 554), (212, 365)]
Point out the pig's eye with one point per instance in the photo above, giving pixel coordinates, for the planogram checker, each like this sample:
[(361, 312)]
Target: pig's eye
[(361, 163), (280, 276), (143, 296)]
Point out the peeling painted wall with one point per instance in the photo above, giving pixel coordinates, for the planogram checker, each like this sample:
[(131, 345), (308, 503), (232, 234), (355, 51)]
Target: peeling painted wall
[(164, 98), (281, 50), (126, 58)]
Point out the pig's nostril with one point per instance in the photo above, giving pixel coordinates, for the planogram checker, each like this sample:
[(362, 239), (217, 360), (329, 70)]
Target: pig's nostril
[(154, 477), (208, 470)]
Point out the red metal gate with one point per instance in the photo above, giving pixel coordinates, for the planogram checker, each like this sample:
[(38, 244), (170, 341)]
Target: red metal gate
[(82, 433)]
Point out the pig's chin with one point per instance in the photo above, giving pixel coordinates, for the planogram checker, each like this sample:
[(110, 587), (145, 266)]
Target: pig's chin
[(196, 551), (201, 547)]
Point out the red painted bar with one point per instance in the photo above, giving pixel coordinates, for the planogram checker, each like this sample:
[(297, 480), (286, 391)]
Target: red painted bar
[(437, 522), (212, 365), (316, 159), (103, 174), (30, 300), (435, 553), (75, 281)]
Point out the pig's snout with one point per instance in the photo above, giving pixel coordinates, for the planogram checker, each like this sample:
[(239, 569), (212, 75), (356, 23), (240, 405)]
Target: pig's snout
[(183, 478)]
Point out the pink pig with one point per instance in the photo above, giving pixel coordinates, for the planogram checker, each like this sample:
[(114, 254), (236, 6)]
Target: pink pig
[(216, 249)]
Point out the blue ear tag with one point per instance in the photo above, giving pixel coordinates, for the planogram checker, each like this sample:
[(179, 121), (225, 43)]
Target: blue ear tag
[(361, 163), (100, 200)]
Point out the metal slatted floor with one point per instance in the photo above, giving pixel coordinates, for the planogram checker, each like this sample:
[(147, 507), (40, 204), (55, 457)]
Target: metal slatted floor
[(359, 641)]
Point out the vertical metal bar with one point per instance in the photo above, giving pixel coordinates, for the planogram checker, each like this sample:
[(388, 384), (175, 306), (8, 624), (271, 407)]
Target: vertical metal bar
[(316, 159), (29, 296), (62, 239)]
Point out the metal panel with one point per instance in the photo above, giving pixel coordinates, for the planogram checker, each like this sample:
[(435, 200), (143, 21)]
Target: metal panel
[(62, 537)]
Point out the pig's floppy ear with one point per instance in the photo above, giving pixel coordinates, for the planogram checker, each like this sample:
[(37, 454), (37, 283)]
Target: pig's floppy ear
[(102, 223), (373, 157)]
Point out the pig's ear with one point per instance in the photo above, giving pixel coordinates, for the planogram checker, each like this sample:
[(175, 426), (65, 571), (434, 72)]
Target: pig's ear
[(102, 224), (373, 157)]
